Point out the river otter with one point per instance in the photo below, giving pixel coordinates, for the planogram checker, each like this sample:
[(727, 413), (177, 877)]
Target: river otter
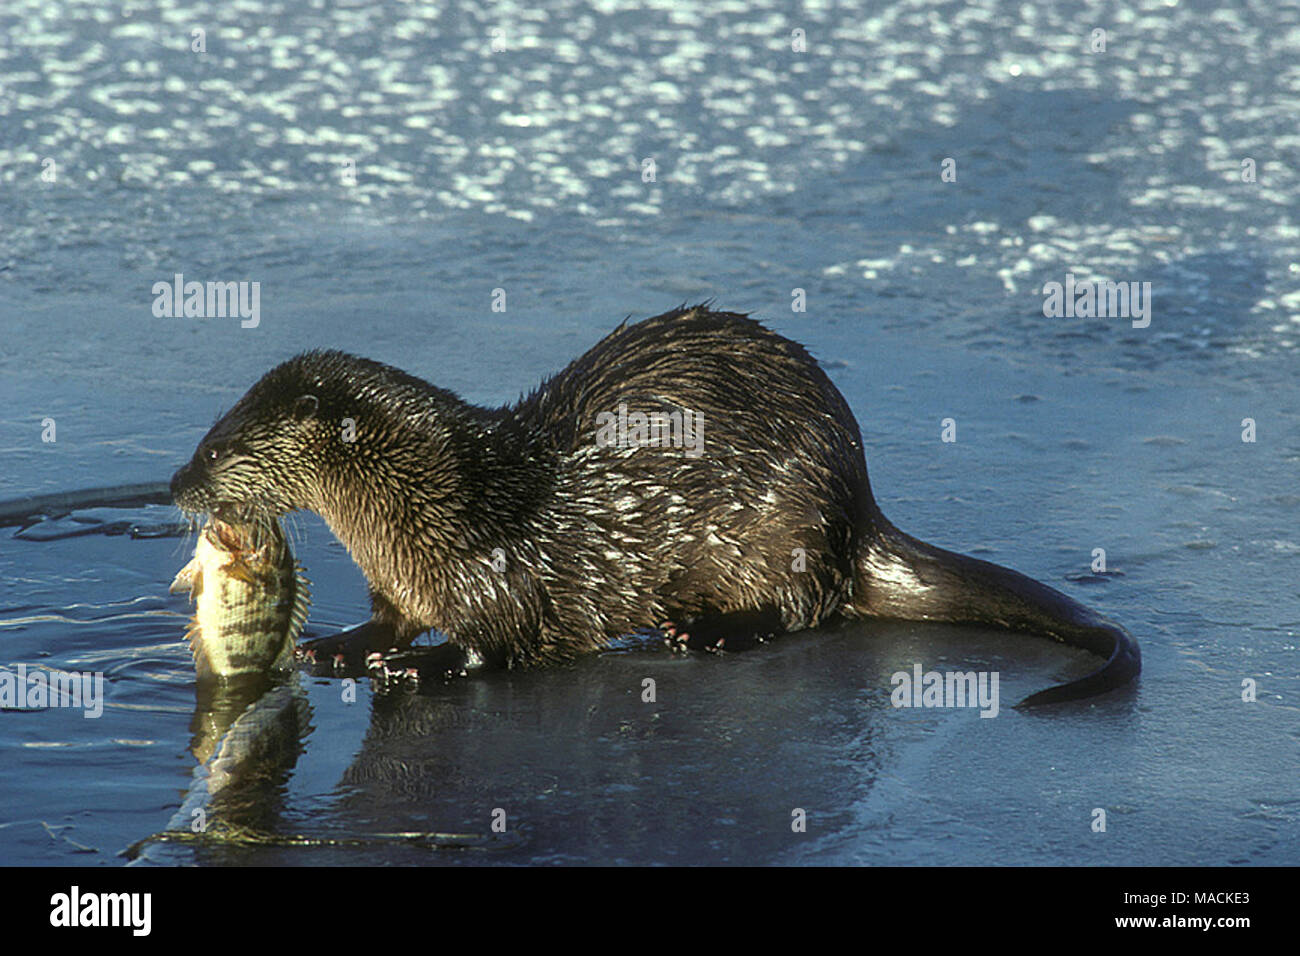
[(526, 539)]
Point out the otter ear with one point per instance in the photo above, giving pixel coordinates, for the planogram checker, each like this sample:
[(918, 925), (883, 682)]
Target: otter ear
[(305, 408)]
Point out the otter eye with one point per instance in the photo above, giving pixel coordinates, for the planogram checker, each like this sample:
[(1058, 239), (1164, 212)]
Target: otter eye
[(212, 453), (305, 407)]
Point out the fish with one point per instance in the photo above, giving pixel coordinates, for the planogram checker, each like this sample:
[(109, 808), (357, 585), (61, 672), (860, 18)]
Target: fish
[(248, 735), (250, 600)]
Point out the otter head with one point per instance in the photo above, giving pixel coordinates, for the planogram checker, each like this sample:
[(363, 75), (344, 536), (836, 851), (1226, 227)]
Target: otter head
[(262, 458)]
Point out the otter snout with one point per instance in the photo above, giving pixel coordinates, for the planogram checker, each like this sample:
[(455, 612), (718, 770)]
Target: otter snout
[(185, 488)]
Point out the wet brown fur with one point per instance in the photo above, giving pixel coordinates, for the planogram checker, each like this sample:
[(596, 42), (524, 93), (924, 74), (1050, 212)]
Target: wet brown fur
[(604, 541)]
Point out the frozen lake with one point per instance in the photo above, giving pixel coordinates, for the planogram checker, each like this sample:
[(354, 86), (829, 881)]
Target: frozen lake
[(381, 172)]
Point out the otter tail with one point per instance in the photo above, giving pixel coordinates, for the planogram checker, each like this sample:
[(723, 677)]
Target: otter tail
[(901, 577)]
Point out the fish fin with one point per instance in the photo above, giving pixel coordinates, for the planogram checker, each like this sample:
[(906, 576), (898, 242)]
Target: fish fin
[(240, 571), (198, 651), (194, 637), (188, 578)]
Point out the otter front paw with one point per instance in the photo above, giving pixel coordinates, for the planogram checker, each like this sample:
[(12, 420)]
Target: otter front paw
[(343, 654), (407, 668)]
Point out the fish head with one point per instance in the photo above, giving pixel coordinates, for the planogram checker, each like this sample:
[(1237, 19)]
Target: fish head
[(234, 550)]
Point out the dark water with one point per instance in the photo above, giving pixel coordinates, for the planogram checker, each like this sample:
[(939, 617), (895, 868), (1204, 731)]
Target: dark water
[(775, 171)]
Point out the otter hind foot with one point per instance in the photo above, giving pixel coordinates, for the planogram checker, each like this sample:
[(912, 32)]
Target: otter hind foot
[(735, 631)]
